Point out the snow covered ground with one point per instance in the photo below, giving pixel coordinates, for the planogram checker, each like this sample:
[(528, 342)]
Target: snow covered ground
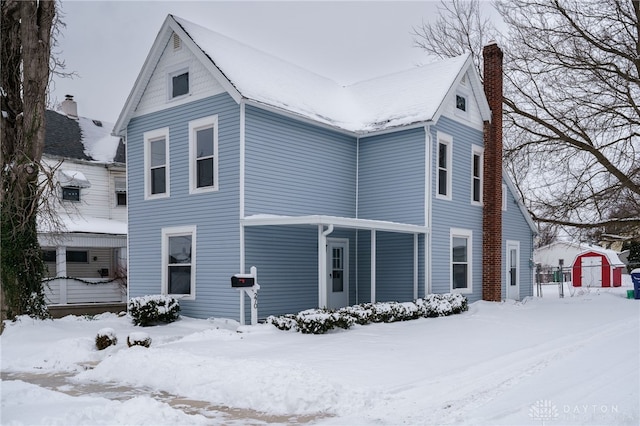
[(541, 361)]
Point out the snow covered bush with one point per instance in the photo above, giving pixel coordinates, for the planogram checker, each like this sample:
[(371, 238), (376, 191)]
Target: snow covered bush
[(138, 338), (106, 337), (319, 321), (151, 310)]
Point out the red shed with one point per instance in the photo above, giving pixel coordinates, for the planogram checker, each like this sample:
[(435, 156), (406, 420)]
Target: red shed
[(597, 268)]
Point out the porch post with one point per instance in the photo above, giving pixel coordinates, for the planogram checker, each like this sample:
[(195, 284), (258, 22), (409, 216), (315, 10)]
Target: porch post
[(61, 271), (415, 266), (321, 268), (373, 266)]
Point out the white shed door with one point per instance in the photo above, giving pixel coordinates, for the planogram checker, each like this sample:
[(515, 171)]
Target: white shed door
[(591, 271)]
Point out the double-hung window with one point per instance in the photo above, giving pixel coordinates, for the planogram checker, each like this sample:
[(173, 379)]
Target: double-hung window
[(156, 163), (477, 154), (179, 261), (443, 177), (203, 154), (461, 265)]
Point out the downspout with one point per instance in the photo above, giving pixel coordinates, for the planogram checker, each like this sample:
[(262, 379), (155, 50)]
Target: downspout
[(241, 191), (357, 205), (322, 264), (428, 213)]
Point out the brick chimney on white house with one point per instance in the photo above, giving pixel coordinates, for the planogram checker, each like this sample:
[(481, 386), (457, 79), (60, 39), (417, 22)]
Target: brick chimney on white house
[(69, 107), (492, 191)]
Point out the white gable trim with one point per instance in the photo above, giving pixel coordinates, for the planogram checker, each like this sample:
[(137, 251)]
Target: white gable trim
[(521, 206), (168, 28), (476, 89)]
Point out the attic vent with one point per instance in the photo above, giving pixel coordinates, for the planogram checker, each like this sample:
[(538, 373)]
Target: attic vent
[(176, 41), (97, 123), (464, 79)]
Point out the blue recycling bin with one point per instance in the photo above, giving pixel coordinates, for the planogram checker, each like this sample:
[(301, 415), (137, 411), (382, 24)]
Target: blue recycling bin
[(635, 278)]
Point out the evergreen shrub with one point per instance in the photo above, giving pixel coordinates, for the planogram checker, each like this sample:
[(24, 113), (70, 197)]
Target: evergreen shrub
[(319, 321), (153, 310)]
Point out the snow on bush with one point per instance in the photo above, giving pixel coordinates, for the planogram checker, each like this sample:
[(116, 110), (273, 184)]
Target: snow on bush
[(319, 321), (151, 310), (139, 338), (106, 337)]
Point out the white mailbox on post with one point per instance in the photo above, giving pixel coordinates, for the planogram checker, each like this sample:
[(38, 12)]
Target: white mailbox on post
[(247, 284)]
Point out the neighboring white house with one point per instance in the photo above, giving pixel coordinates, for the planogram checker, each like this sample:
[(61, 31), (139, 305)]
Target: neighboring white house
[(86, 256)]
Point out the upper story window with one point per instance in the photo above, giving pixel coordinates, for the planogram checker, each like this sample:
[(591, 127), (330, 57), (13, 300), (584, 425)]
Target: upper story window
[(203, 154), (461, 103), (178, 261), (156, 163), (180, 84), (178, 81), (443, 177), (120, 185), (477, 155), (461, 265), (70, 193)]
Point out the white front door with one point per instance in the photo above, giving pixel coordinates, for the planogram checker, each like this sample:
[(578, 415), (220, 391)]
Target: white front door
[(337, 273), (513, 270), (591, 271)]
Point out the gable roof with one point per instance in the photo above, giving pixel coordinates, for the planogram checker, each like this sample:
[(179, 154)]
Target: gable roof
[(401, 99), (81, 139)]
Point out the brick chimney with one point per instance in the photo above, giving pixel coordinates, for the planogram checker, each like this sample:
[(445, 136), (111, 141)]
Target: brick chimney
[(69, 107), (492, 192)]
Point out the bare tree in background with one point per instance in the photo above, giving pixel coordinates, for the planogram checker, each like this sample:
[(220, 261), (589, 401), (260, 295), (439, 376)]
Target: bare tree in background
[(25, 36), (572, 112)]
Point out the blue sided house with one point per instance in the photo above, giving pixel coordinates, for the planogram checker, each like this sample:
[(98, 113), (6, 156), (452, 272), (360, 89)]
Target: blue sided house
[(383, 190)]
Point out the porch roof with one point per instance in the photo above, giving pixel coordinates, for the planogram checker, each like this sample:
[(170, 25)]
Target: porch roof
[(342, 222)]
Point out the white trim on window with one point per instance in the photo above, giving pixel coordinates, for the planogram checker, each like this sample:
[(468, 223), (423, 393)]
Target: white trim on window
[(444, 168), (195, 126), (150, 137), (504, 197), (179, 231), (455, 235), (175, 71), (477, 181)]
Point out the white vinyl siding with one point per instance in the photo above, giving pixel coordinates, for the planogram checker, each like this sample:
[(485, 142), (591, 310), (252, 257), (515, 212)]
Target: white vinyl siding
[(156, 163), (203, 154)]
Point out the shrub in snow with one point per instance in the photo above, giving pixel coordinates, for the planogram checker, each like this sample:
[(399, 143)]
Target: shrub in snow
[(139, 338), (151, 310), (106, 337), (318, 321)]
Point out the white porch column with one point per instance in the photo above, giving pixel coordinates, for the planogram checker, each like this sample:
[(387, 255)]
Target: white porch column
[(373, 266), (322, 278), (415, 266), (61, 271)]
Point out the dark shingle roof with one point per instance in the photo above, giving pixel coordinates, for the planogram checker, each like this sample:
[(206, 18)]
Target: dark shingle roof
[(63, 137)]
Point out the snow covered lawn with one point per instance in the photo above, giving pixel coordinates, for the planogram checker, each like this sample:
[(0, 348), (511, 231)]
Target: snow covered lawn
[(545, 360)]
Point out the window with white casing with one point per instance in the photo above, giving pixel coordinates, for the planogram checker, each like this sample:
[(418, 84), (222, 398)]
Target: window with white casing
[(178, 83), (443, 175), (179, 261), (156, 163), (504, 197), (203, 154), (477, 157), (120, 185), (461, 265)]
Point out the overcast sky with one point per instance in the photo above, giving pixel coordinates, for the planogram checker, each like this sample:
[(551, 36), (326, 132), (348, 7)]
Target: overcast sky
[(106, 42)]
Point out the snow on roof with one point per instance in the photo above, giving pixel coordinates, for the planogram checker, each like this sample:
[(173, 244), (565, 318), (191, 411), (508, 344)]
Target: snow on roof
[(85, 224), (398, 99), (97, 140), (73, 178)]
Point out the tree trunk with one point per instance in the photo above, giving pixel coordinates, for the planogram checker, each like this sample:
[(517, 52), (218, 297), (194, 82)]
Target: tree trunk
[(26, 29)]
